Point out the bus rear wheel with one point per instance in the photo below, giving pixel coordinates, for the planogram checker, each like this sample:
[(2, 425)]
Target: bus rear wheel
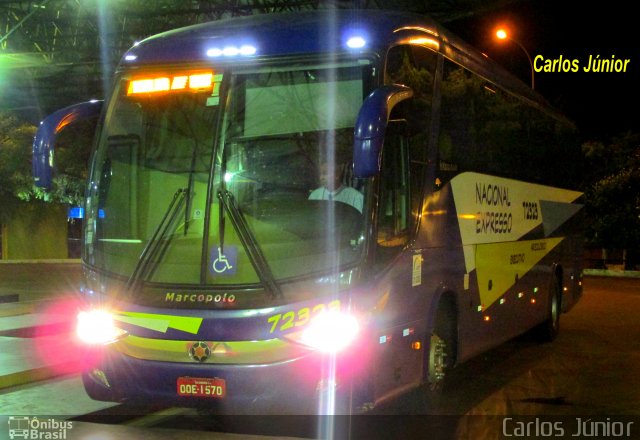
[(548, 330)]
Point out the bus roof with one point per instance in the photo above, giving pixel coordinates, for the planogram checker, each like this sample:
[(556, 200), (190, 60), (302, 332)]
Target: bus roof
[(316, 32), (291, 33)]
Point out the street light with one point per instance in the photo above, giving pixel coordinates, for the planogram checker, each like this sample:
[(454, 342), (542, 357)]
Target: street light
[(502, 34)]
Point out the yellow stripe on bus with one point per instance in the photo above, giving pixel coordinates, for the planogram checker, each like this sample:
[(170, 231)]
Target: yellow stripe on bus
[(161, 323), (498, 264)]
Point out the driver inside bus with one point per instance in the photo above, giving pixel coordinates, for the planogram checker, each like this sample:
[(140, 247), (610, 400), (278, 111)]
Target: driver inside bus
[(333, 187)]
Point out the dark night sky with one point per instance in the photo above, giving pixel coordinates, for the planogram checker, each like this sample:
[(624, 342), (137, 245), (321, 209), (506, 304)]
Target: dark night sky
[(601, 104)]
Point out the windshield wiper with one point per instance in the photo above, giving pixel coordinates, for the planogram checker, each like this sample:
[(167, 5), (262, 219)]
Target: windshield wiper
[(188, 195), (150, 251), (248, 240)]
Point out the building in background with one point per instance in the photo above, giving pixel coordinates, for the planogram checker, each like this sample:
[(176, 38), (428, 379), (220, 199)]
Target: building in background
[(37, 232)]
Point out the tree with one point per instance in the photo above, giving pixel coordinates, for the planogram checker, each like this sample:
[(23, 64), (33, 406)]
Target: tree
[(16, 181), (15, 162), (613, 194)]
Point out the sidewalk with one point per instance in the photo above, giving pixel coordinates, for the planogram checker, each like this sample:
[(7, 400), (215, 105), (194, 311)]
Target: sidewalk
[(39, 345), (36, 280), (37, 310), (612, 273)]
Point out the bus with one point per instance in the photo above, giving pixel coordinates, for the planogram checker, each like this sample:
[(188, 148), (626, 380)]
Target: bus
[(316, 212)]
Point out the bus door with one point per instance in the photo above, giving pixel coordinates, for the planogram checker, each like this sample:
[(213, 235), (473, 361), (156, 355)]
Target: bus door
[(398, 365), (402, 321)]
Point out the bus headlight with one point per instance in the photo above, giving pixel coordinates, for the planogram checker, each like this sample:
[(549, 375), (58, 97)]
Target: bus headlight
[(97, 327), (331, 332)]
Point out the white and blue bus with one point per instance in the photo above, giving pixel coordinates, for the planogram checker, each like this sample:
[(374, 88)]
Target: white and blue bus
[(284, 210)]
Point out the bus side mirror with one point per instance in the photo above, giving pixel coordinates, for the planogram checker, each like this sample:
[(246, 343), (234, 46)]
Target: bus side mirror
[(42, 165), (371, 126)]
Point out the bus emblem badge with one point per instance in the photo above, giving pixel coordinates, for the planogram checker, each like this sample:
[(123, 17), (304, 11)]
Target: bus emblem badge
[(199, 351)]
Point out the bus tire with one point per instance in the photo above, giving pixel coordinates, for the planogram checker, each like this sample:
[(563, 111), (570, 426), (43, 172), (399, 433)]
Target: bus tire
[(441, 348), (548, 330)]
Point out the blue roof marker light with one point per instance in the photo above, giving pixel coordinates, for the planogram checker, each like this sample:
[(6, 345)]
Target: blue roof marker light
[(245, 50), (131, 56), (356, 42)]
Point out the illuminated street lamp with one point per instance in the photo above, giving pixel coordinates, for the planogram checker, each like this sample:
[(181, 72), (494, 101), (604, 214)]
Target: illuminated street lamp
[(502, 34)]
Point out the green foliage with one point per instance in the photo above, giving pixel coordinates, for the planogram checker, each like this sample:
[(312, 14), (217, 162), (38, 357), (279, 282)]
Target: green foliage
[(15, 164), (484, 128), (613, 192), (16, 181)]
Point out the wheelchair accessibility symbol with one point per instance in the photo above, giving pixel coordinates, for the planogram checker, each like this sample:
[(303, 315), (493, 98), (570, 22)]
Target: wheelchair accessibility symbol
[(223, 263)]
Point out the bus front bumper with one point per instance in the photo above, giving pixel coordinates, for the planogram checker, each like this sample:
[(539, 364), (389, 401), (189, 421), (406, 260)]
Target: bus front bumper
[(310, 384)]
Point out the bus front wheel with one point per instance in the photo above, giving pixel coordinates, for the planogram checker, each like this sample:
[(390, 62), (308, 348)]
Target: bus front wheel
[(440, 356), (437, 362)]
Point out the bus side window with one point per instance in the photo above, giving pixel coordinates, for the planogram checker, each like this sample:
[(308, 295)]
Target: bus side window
[(393, 206), (487, 130), (414, 66), (457, 140), (468, 124)]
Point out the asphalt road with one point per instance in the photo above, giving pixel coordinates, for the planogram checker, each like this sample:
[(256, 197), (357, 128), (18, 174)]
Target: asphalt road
[(592, 368), (590, 373)]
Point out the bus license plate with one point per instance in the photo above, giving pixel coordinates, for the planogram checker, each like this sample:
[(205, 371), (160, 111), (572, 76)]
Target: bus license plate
[(202, 387)]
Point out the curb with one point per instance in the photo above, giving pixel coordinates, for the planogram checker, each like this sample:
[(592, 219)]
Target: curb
[(611, 273), (16, 308), (35, 374), (25, 307), (34, 357)]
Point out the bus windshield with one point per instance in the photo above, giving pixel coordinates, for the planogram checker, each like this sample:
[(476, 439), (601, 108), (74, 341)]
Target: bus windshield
[(274, 142)]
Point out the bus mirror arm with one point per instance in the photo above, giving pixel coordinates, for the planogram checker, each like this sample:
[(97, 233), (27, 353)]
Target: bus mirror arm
[(371, 126), (44, 141)]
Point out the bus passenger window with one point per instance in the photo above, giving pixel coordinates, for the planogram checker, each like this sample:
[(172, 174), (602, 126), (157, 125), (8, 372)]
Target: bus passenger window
[(458, 148), (393, 206), (414, 66), (485, 129)]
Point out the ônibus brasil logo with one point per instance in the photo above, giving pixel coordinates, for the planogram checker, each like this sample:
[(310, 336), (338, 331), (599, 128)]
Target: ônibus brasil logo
[(34, 428)]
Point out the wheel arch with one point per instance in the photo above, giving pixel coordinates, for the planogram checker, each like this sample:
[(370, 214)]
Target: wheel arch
[(445, 300)]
